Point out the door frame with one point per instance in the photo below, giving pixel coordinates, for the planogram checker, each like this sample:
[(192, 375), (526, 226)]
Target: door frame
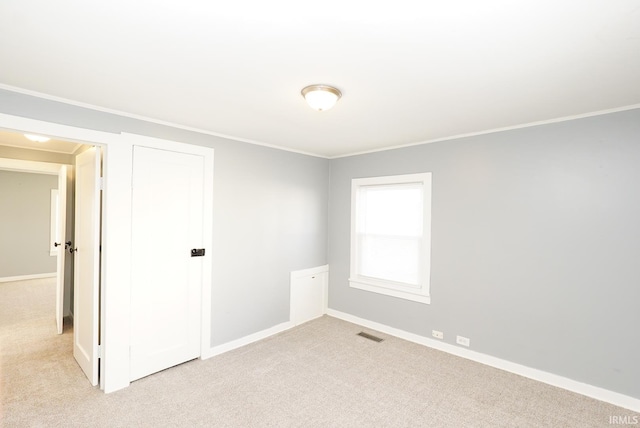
[(207, 154), (115, 269)]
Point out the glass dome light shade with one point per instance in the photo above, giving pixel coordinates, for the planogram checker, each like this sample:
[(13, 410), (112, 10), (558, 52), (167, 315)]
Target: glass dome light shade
[(321, 97)]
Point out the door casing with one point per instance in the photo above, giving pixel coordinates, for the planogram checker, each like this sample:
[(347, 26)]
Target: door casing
[(116, 237)]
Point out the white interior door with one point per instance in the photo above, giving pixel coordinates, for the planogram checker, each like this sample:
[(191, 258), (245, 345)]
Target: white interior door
[(166, 285), (61, 219), (87, 263)]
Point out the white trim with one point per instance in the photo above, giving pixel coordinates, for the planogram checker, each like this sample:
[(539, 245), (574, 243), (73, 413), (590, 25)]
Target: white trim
[(246, 340), (207, 233), (493, 131), (56, 130), (288, 149), (27, 277), (361, 284), (152, 120), (598, 393)]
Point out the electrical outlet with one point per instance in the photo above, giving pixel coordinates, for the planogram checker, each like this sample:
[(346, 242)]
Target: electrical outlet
[(464, 341), (437, 334)]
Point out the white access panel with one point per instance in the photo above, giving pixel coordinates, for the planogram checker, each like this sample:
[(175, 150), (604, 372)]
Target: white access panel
[(308, 294)]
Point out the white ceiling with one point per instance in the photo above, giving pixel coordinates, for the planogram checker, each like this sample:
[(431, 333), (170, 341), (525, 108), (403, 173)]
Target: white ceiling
[(409, 71)]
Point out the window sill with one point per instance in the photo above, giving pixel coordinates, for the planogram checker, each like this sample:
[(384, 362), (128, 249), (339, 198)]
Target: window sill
[(392, 290)]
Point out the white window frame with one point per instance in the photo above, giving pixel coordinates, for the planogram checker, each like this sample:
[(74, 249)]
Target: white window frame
[(417, 293)]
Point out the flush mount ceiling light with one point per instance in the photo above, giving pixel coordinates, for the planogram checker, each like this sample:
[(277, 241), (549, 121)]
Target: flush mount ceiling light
[(321, 97), (37, 138)]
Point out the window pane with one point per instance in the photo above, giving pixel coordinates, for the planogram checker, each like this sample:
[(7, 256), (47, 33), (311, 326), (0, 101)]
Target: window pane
[(391, 210), (390, 235), (390, 228), (391, 258)]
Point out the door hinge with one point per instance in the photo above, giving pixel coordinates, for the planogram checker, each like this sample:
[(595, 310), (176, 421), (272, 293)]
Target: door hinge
[(101, 181), (99, 351)]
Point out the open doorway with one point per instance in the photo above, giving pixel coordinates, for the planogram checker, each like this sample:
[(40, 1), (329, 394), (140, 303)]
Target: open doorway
[(115, 311), (24, 169)]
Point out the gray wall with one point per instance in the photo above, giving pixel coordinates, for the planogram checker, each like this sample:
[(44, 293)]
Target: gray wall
[(25, 215), (535, 248), (60, 158), (270, 214)]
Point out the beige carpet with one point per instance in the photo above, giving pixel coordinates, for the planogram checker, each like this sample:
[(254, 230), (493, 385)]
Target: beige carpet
[(319, 374)]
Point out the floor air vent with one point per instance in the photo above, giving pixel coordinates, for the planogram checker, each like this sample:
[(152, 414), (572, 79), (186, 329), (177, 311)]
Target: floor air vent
[(370, 336)]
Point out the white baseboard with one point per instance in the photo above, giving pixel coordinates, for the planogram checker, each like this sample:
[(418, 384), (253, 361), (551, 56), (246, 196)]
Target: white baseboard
[(531, 373), (26, 277), (238, 343)]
